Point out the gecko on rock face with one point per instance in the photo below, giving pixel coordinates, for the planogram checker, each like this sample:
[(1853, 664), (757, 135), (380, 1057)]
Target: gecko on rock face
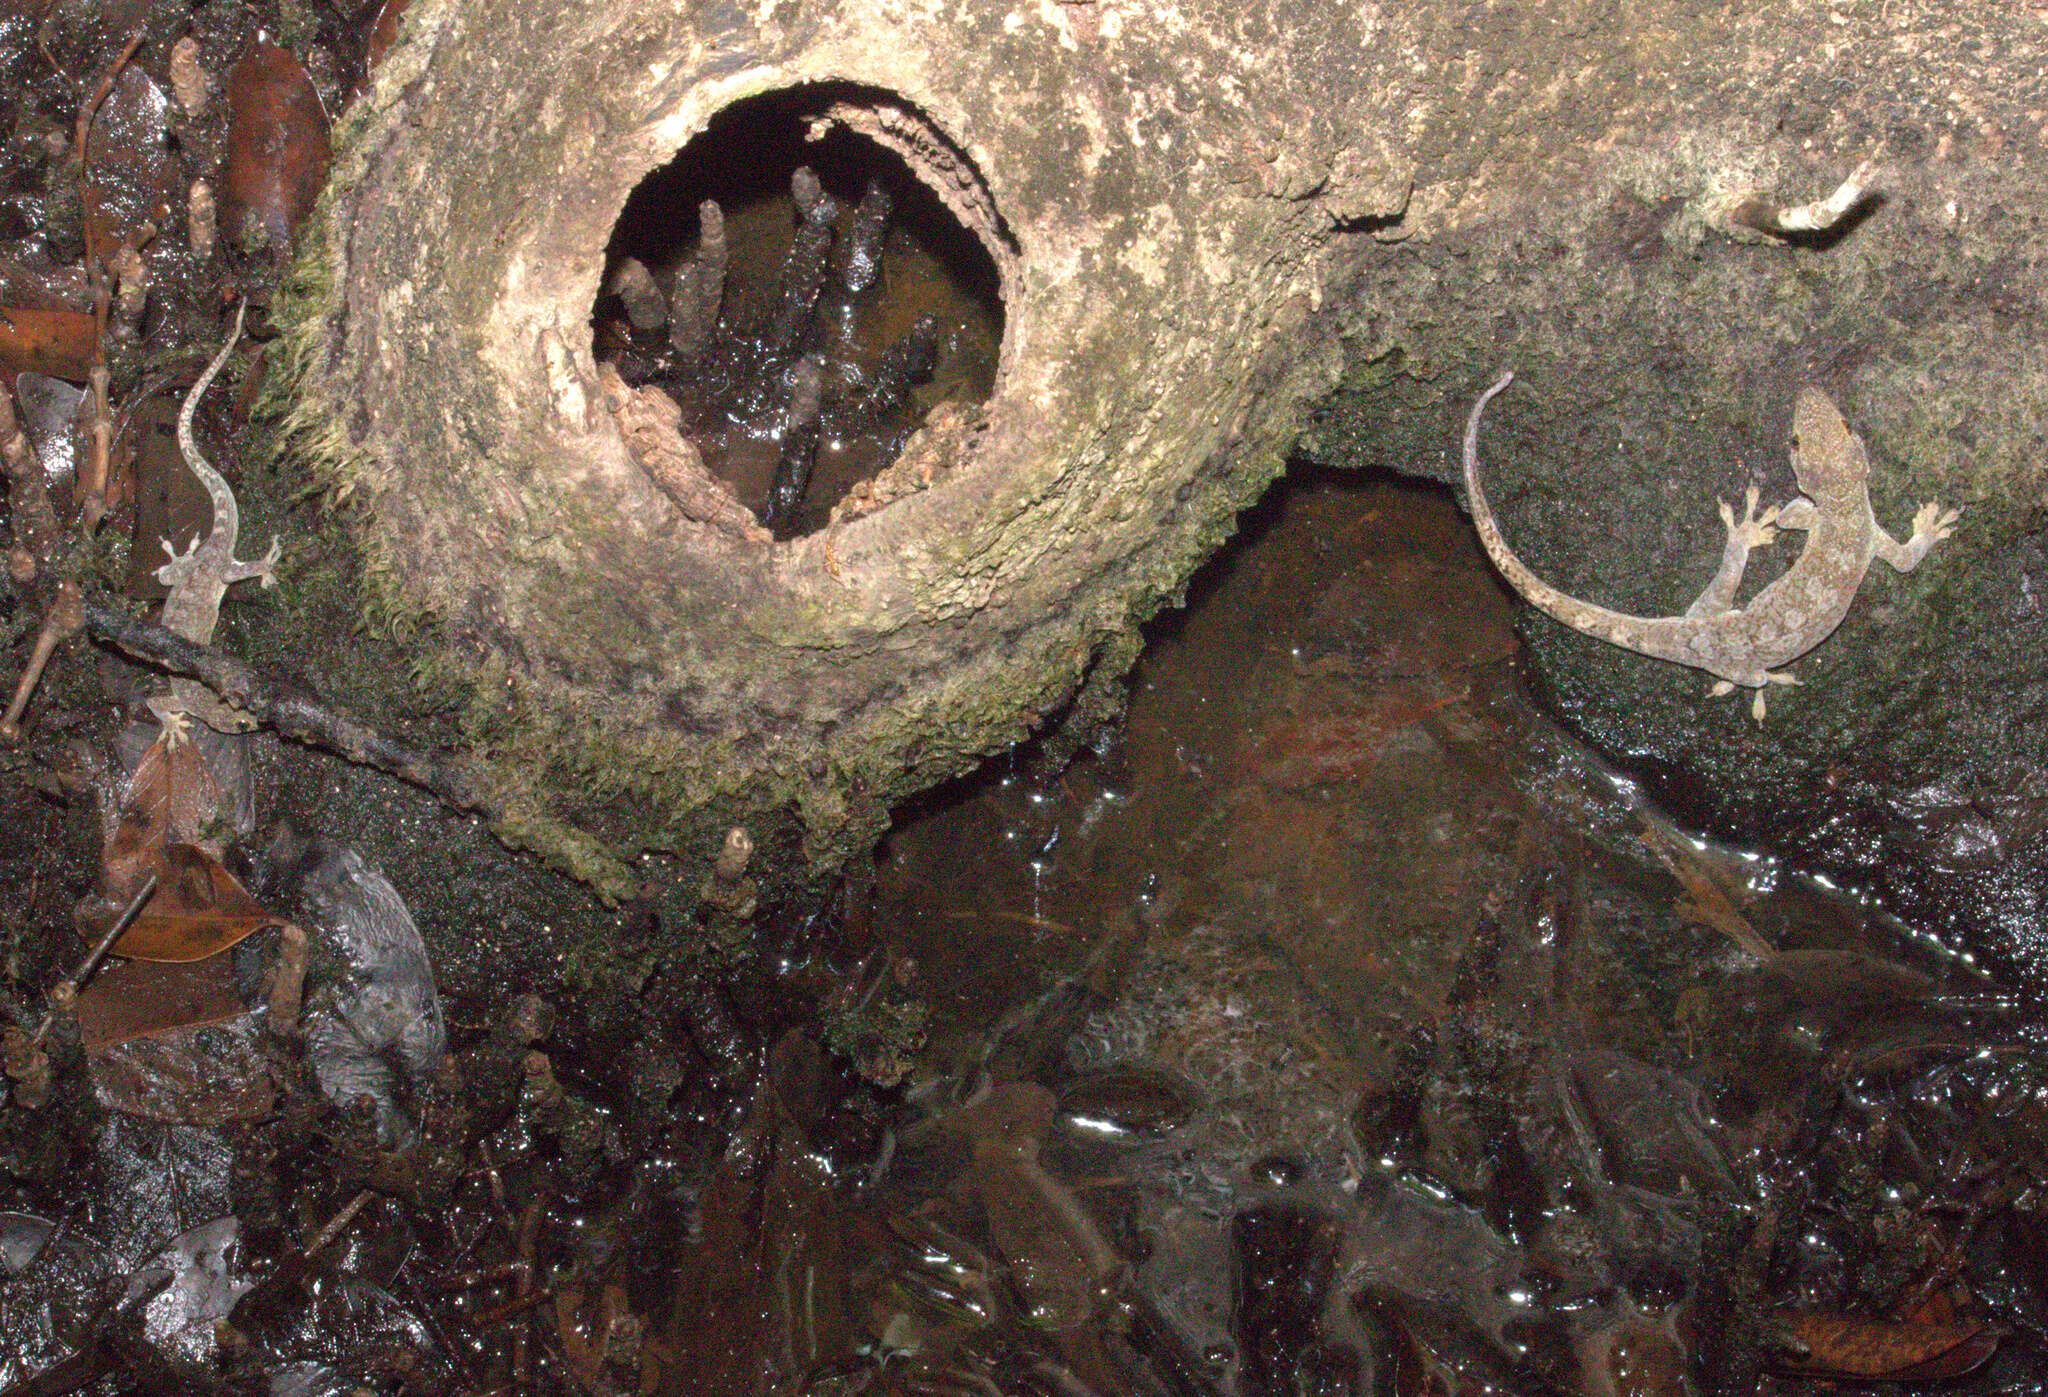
[(199, 577), (1747, 645)]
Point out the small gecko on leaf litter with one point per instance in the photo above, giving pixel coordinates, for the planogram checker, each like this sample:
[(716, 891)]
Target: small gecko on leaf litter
[(199, 577)]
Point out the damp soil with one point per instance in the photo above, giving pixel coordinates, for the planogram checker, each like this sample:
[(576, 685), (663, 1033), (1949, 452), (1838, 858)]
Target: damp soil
[(1332, 1024)]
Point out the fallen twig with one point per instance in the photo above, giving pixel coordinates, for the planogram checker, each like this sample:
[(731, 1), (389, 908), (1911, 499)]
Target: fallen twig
[(81, 135), (34, 517), (288, 985), (338, 1223), (92, 481), (64, 994), (21, 1054), (529, 1228), (63, 621), (279, 704)]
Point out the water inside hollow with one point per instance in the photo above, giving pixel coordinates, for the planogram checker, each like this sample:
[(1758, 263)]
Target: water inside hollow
[(937, 301)]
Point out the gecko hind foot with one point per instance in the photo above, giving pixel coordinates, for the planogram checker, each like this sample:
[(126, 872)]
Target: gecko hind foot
[(180, 563)]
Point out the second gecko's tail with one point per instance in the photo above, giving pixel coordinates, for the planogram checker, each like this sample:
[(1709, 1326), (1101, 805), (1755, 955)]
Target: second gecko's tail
[(1539, 592), (1635, 632)]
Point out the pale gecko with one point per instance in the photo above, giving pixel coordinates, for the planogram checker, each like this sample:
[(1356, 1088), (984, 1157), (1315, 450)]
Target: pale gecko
[(199, 577), (1747, 645)]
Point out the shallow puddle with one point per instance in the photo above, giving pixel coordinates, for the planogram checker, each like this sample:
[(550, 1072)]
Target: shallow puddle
[(1334, 1025), (1359, 1030)]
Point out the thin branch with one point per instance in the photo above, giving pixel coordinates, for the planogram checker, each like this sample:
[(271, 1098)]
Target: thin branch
[(83, 132), (279, 704), (63, 621)]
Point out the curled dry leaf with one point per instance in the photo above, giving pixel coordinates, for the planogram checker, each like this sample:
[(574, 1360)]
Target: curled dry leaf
[(50, 412), (202, 219), (131, 184), (278, 148)]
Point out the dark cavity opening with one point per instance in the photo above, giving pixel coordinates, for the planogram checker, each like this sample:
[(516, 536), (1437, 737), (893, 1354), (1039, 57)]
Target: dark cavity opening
[(803, 297)]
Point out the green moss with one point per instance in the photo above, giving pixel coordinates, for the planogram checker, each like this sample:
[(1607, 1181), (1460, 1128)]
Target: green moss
[(586, 789)]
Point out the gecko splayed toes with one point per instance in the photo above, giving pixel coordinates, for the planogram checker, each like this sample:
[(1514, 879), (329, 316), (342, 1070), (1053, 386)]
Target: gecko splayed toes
[(1747, 645)]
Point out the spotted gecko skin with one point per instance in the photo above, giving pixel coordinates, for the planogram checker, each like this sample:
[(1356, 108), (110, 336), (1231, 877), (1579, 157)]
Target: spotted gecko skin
[(1749, 645), (199, 576)]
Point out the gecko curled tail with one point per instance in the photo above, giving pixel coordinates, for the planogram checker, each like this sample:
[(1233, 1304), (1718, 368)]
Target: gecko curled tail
[(1540, 594), (1746, 646)]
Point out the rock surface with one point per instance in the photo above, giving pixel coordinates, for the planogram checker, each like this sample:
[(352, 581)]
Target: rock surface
[(1205, 219)]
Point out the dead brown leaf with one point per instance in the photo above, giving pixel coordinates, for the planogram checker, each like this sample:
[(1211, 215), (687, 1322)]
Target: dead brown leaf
[(140, 999), (278, 148), (54, 342), (170, 503), (199, 909), (132, 184), (36, 286), (174, 1043), (173, 797), (1932, 1343)]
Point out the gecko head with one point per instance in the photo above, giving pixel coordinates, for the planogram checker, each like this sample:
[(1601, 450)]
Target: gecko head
[(1826, 456)]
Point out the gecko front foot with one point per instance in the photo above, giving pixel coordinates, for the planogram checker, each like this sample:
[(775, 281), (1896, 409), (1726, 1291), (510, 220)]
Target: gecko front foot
[(1753, 530), (1934, 522), (263, 570)]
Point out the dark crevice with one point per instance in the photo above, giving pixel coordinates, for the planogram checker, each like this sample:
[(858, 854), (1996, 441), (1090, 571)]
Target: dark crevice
[(805, 302)]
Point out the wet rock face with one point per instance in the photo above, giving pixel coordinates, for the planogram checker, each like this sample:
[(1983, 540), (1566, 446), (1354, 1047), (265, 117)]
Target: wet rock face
[(1905, 765)]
